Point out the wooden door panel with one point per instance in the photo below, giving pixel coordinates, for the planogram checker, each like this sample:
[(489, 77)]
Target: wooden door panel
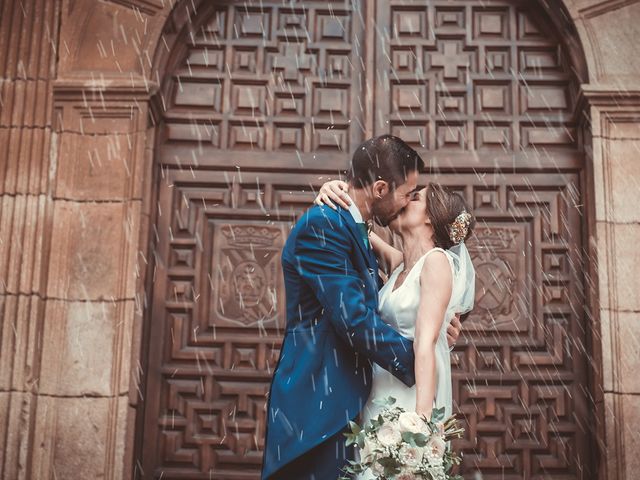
[(265, 100)]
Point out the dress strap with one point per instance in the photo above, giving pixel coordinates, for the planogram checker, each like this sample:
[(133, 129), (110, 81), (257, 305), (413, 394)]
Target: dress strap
[(419, 264), (433, 250)]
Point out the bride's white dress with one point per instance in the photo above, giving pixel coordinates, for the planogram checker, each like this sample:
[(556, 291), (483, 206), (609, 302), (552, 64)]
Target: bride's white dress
[(399, 309)]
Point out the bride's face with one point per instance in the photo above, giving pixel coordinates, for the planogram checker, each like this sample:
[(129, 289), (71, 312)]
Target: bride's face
[(413, 215)]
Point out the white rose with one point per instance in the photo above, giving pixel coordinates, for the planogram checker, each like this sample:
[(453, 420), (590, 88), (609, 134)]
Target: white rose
[(366, 453), (411, 422), (436, 446), (410, 456), (406, 475), (437, 472), (388, 435)]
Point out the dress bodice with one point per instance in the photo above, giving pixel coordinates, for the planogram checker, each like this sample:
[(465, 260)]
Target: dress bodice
[(399, 306)]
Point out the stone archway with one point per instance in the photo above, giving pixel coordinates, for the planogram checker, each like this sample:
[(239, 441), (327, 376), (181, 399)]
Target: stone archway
[(76, 83), (512, 145)]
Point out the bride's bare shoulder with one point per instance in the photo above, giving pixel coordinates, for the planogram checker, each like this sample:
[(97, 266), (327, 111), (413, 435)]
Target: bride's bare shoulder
[(436, 267)]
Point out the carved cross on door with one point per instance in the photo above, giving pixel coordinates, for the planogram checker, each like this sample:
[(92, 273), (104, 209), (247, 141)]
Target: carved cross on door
[(291, 61), (450, 60)]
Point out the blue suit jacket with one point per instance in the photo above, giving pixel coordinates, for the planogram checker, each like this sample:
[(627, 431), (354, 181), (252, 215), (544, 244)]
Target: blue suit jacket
[(333, 333)]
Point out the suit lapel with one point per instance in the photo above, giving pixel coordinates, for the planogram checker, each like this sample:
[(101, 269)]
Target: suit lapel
[(353, 229)]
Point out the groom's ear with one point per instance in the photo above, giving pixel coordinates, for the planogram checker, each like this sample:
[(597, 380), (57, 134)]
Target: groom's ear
[(379, 189)]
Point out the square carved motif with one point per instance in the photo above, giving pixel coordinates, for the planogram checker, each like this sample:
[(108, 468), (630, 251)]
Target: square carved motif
[(246, 136), (289, 138), (249, 99), (199, 94), (493, 136), (491, 24), (245, 60), (527, 30), (332, 26), (543, 98), (544, 135), (409, 23), (208, 58), (539, 61), (493, 98), (414, 135), (403, 59), (194, 132), (329, 138), (338, 65), (216, 25), (252, 23), (449, 102), (331, 101), (451, 136), (292, 22), (497, 60), (449, 18), (289, 104), (409, 98)]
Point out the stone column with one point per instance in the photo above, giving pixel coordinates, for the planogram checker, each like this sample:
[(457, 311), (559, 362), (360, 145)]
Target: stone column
[(615, 122), (28, 48), (91, 315)]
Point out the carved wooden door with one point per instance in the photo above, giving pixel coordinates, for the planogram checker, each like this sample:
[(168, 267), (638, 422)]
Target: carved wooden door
[(265, 101)]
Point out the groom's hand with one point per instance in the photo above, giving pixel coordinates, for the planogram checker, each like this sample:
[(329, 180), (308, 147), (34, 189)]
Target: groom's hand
[(453, 330)]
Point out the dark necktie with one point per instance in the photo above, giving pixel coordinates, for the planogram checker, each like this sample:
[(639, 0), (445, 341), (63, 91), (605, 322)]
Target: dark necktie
[(364, 231)]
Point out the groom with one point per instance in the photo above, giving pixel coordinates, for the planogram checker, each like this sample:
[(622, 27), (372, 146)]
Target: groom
[(334, 331)]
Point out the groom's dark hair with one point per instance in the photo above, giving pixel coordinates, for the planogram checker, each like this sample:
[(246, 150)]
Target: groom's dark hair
[(385, 158)]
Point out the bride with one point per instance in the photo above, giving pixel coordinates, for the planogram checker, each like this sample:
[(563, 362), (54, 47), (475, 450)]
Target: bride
[(431, 280)]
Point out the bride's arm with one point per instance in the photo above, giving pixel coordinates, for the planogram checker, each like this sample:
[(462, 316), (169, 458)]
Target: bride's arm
[(435, 293), (387, 255)]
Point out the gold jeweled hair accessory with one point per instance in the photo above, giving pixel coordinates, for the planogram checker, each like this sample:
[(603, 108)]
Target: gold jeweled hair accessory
[(459, 228)]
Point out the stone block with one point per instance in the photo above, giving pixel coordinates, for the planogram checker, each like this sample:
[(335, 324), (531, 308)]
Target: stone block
[(628, 355), (19, 332), (22, 238), (25, 103), (93, 250), (100, 167), (103, 37), (626, 263), (605, 253), (615, 32), (624, 170), (624, 129), (15, 420), (86, 348), (26, 153), (79, 438), (609, 373), (89, 113), (613, 422), (631, 437)]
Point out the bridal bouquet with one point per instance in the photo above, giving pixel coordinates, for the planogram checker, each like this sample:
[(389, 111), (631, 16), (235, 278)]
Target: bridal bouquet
[(401, 445)]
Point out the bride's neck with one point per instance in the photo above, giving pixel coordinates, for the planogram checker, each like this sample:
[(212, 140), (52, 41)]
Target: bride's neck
[(414, 245)]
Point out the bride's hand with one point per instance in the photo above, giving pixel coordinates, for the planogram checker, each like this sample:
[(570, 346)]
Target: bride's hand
[(335, 190)]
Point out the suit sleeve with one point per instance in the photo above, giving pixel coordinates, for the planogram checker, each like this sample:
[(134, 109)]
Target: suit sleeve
[(324, 262)]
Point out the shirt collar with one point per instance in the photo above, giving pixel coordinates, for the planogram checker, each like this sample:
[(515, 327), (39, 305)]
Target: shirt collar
[(355, 213)]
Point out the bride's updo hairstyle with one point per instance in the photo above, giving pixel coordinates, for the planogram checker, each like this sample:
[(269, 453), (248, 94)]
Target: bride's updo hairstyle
[(446, 210)]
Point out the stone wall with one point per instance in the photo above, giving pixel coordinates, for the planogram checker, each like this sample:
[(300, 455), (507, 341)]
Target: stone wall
[(76, 79)]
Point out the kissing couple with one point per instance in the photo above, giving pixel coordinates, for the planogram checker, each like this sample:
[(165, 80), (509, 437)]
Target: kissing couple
[(350, 339)]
